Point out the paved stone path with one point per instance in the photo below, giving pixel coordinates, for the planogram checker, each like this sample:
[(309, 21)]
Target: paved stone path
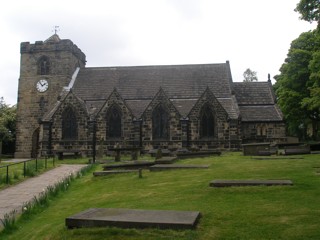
[(14, 197)]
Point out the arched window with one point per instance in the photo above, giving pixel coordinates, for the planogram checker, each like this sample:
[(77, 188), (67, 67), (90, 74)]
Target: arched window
[(114, 122), (160, 123), (206, 122), (43, 66), (69, 124)]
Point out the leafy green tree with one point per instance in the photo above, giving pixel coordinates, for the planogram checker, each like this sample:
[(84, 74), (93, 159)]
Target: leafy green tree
[(309, 10), (7, 124), (297, 86), (250, 76)]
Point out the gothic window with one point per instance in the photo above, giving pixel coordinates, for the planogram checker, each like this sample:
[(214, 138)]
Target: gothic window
[(114, 122), (69, 124), (43, 66), (206, 122), (261, 130), (160, 123)]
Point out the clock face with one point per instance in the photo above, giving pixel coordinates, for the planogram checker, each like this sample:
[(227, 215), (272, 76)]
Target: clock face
[(42, 85)]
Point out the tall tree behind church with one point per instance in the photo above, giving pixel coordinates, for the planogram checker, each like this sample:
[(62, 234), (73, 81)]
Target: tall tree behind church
[(249, 75), (298, 85)]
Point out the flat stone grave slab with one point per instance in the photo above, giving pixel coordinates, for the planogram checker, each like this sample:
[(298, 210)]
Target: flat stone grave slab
[(197, 154), (239, 183), (165, 160), (109, 172), (161, 167), (129, 165), (134, 218), (276, 158)]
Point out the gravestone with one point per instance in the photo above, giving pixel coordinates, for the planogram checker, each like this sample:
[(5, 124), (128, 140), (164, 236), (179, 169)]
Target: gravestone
[(110, 172), (242, 183), (134, 218), (165, 160), (160, 167), (129, 165)]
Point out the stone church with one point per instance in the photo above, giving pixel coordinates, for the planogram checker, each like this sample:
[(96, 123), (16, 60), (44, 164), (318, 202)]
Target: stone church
[(64, 106)]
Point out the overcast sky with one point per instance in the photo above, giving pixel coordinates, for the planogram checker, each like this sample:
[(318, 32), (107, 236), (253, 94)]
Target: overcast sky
[(253, 34)]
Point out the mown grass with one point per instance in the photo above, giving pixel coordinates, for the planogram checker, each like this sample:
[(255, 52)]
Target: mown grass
[(278, 212), (16, 172)]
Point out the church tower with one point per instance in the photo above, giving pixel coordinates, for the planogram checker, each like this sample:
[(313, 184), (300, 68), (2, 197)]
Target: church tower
[(45, 68)]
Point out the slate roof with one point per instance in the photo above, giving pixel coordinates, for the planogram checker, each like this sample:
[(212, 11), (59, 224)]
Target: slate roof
[(53, 39), (266, 113), (248, 93), (183, 84), (178, 81), (256, 101)]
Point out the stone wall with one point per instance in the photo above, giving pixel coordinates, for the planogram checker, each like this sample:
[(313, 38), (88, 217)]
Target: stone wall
[(127, 125), (83, 142), (64, 57), (175, 136), (226, 130), (263, 132)]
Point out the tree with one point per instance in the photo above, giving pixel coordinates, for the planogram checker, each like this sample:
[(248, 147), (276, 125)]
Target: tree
[(309, 10), (250, 76), (7, 125), (297, 86)]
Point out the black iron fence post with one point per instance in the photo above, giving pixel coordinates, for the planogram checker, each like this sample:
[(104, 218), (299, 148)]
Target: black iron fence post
[(24, 169), (7, 179)]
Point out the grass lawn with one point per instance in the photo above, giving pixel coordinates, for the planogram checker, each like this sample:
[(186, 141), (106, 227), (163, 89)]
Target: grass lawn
[(277, 212)]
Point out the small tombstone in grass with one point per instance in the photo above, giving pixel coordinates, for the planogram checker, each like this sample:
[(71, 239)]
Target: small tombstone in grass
[(159, 154), (100, 150), (117, 153), (134, 155)]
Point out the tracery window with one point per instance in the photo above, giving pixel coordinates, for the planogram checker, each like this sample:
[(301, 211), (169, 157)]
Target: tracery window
[(69, 124), (160, 123), (207, 122), (43, 66), (114, 122)]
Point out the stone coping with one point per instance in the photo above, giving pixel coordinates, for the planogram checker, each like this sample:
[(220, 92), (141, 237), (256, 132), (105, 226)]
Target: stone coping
[(134, 218), (238, 183)]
